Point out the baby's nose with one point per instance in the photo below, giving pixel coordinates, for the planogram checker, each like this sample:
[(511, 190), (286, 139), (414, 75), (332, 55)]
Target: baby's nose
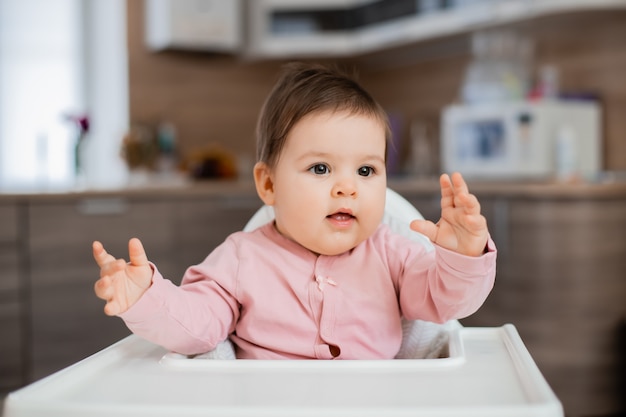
[(344, 187)]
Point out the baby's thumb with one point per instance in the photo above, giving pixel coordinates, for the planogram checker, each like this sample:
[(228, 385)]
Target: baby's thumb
[(136, 253), (425, 227)]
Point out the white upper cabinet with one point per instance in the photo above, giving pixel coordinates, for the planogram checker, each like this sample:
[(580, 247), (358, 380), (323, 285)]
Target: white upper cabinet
[(323, 28), (202, 25), (332, 28)]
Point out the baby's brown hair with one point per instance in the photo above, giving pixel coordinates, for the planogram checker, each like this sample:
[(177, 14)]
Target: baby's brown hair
[(303, 89)]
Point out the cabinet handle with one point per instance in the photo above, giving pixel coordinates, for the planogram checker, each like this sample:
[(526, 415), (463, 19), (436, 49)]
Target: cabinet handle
[(102, 206)]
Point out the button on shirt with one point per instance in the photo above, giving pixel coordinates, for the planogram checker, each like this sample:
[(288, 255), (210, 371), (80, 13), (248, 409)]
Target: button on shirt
[(277, 300)]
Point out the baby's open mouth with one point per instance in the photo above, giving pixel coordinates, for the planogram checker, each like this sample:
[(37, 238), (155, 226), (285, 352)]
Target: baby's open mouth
[(340, 216)]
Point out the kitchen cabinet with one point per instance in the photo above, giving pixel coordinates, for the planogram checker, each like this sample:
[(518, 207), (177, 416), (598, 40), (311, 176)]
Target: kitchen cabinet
[(288, 28), (12, 360), (202, 25), (560, 281), (67, 319), (429, 206), (202, 223)]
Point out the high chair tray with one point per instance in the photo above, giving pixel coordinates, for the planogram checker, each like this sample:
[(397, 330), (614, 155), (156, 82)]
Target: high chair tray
[(489, 373)]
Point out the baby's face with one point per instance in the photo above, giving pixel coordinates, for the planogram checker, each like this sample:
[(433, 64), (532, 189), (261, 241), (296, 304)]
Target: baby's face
[(330, 181)]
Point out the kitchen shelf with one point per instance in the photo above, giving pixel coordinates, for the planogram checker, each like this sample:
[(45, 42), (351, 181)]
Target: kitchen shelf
[(263, 44)]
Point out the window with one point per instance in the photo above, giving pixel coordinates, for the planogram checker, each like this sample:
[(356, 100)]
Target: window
[(48, 56), (40, 81)]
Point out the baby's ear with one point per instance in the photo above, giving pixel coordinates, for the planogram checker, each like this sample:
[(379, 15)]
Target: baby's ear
[(264, 183)]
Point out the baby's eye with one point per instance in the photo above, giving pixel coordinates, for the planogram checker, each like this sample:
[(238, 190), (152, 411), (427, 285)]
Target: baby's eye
[(319, 169), (365, 171)]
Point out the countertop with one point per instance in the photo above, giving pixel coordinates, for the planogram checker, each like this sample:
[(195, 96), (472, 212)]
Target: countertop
[(245, 189)]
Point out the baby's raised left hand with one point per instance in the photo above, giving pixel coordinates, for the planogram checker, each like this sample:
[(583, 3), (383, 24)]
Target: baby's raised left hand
[(461, 227)]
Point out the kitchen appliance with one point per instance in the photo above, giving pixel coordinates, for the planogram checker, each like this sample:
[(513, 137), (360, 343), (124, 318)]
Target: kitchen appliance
[(522, 140)]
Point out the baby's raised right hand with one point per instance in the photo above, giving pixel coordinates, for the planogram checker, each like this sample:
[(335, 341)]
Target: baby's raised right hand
[(121, 284)]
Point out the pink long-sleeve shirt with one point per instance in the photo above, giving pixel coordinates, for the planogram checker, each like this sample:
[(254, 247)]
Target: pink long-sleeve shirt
[(277, 300)]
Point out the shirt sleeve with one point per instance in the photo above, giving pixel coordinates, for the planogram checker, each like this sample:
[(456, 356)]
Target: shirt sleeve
[(194, 317), (441, 285)]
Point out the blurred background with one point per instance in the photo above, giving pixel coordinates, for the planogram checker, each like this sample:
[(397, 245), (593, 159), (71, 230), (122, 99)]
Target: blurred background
[(122, 118)]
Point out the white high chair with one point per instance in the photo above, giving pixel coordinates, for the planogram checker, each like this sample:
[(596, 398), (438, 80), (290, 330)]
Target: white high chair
[(421, 339)]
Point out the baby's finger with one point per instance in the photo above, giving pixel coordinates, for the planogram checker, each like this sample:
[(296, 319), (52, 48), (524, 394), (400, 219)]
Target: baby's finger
[(100, 254), (137, 253), (447, 191), (103, 288), (446, 185), (111, 308), (469, 202), (425, 227), (459, 184), (113, 267)]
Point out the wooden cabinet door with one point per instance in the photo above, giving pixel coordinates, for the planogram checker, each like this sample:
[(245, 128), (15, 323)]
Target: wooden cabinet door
[(12, 360), (201, 224), (429, 206), (560, 281), (67, 318)]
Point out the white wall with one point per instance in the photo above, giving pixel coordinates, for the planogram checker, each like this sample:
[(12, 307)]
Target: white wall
[(106, 88)]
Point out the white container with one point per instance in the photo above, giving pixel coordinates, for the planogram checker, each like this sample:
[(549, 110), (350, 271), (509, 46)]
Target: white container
[(567, 161), (489, 373)]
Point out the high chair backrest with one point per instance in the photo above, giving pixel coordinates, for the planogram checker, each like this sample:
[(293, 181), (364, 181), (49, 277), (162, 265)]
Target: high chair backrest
[(421, 339)]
